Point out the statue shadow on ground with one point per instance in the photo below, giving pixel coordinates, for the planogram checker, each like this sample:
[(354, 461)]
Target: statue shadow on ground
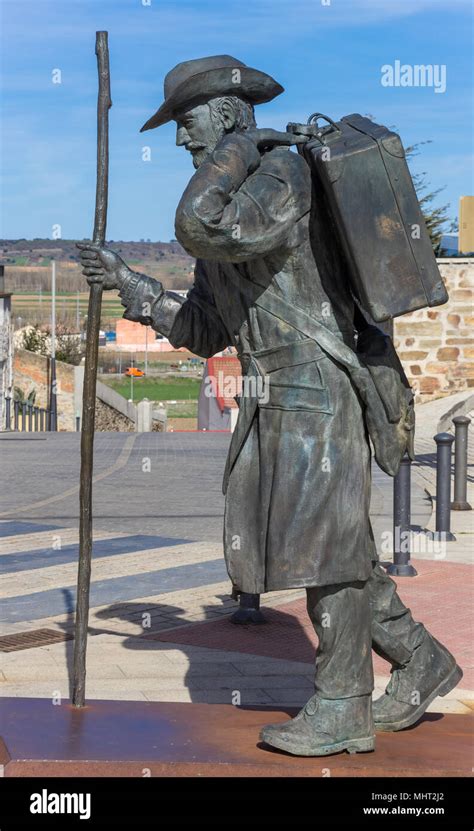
[(281, 637)]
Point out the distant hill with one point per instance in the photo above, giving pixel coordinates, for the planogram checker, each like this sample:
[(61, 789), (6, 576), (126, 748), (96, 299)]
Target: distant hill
[(27, 263), (36, 251)]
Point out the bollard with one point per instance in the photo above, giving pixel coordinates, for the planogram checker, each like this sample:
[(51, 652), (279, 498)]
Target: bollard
[(23, 416), (41, 417), (78, 423), (401, 566), (444, 442), (461, 426), (249, 609), (30, 416), (36, 414), (53, 399), (8, 417), (16, 415)]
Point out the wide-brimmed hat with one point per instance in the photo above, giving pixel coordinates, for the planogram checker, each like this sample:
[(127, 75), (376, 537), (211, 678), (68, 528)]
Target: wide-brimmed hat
[(209, 78)]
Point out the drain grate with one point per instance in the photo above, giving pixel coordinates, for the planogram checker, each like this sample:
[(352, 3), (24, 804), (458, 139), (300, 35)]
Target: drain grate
[(28, 640)]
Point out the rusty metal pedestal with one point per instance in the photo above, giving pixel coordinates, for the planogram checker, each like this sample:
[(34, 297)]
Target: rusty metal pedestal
[(138, 738)]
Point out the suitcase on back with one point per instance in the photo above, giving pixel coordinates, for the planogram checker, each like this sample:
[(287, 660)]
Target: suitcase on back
[(361, 168)]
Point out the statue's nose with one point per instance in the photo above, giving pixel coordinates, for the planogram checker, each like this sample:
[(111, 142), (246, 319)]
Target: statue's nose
[(182, 136)]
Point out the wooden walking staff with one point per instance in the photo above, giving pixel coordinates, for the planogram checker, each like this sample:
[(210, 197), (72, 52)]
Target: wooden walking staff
[(90, 377)]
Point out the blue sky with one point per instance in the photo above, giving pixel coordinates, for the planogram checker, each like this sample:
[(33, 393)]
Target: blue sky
[(328, 56)]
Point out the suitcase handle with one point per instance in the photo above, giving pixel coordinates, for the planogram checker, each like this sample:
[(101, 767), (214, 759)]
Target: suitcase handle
[(313, 119), (312, 128)]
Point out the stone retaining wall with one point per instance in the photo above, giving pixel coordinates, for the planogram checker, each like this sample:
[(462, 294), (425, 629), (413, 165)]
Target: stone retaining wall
[(436, 346), (32, 372), (109, 419)]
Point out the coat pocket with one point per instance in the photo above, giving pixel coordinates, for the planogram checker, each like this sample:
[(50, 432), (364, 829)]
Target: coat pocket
[(294, 378)]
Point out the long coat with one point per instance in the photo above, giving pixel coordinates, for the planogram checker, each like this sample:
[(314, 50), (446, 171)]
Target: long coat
[(297, 479)]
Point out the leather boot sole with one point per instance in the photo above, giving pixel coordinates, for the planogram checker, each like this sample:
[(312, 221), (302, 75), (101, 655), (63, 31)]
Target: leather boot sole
[(443, 688), (297, 749)]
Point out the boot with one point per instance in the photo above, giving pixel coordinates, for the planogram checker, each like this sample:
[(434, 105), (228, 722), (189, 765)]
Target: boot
[(431, 671), (325, 726)]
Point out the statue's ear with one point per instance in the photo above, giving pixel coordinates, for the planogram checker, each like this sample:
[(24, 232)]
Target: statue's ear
[(227, 114)]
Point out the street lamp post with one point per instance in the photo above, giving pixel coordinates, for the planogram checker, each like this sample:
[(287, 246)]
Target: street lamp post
[(52, 397), (146, 350)]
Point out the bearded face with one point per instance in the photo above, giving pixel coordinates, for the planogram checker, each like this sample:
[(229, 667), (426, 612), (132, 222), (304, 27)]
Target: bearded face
[(199, 132), (199, 129)]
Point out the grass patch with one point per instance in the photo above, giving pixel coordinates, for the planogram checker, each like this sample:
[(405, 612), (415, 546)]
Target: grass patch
[(157, 389), (187, 410)]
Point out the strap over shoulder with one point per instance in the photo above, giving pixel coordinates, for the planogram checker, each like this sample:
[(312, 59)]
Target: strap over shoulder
[(376, 373)]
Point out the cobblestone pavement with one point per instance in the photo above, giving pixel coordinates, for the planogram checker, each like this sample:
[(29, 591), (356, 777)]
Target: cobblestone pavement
[(160, 604)]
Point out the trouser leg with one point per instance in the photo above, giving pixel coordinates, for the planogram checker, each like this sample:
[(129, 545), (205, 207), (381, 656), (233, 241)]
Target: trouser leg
[(341, 618), (395, 635)]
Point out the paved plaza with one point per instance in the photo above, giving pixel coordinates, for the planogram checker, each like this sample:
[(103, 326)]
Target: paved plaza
[(160, 625)]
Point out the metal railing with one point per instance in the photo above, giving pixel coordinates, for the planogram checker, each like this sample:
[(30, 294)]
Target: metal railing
[(25, 417)]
